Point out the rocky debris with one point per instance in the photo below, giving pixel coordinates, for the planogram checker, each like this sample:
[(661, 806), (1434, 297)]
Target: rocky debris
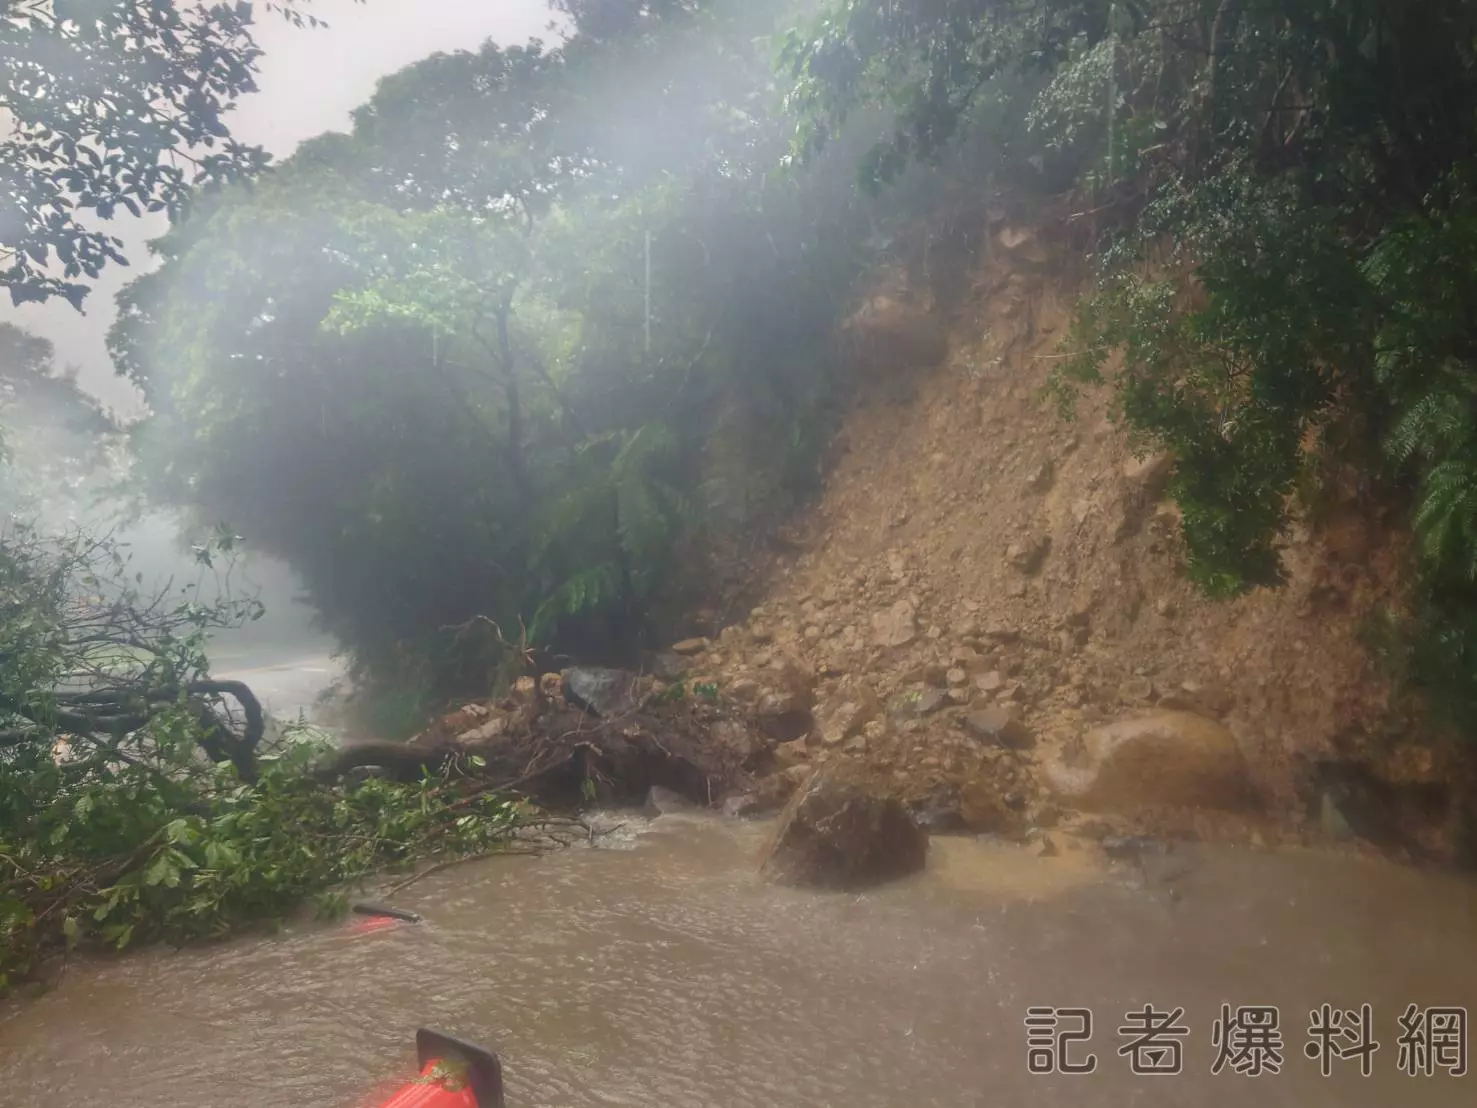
[(1028, 555), (734, 742), (669, 665), (998, 724), (605, 692), (1137, 690), (886, 335), (837, 832), (897, 626), (929, 701), (690, 646), (794, 753), (971, 546), (741, 806), (1023, 246), (987, 809), (939, 813), (845, 713), (1171, 760), (768, 794), (1041, 478)]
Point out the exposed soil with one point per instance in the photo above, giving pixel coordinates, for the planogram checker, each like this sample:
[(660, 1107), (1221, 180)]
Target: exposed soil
[(983, 588), (974, 551)]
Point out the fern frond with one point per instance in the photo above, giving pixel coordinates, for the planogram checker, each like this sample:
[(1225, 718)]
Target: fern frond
[(586, 590), (1446, 518)]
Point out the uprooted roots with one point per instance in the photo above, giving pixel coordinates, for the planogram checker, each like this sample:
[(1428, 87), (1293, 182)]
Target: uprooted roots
[(566, 758)]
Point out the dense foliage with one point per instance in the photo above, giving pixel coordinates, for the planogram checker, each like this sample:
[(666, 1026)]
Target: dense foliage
[(1284, 197), (114, 107), (423, 362), (53, 436), (134, 806)]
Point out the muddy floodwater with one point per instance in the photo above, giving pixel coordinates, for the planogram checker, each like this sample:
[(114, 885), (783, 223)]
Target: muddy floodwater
[(657, 970)]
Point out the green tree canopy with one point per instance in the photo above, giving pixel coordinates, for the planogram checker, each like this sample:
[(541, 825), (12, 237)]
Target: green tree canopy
[(115, 106), (1282, 197), (422, 361)]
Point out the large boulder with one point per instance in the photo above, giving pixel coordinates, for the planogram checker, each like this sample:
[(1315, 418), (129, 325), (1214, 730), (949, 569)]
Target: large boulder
[(1169, 760), (839, 833)]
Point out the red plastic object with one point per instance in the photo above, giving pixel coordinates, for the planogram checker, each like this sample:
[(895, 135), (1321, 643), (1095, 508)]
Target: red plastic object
[(373, 923), (432, 1095), (483, 1069)]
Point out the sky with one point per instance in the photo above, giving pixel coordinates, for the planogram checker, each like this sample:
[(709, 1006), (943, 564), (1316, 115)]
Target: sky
[(309, 82)]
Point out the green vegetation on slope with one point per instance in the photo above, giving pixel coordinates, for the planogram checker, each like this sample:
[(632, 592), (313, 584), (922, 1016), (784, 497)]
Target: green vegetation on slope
[(1283, 195)]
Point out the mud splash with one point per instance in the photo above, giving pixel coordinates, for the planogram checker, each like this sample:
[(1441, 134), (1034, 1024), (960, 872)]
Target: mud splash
[(659, 971)]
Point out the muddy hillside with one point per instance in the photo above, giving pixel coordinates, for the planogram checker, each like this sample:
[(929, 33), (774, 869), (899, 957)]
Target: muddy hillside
[(987, 592), (984, 611)]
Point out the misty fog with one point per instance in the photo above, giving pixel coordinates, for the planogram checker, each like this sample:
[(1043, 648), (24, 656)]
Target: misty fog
[(309, 82)]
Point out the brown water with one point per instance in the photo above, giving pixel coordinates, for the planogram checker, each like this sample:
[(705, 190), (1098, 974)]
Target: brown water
[(660, 972)]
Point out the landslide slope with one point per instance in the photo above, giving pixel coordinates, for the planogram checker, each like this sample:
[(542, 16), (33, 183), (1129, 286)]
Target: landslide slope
[(982, 583)]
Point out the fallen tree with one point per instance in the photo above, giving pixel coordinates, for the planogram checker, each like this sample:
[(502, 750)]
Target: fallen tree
[(562, 754), (114, 829)]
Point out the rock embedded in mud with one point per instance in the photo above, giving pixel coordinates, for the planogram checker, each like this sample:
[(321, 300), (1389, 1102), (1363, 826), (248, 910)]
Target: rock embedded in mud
[(838, 832), (1041, 478), (985, 809), (990, 682), (733, 742), (793, 753), (845, 713), (1170, 760), (998, 724), (1137, 689), (768, 794), (929, 701), (897, 626), (741, 806), (1028, 556), (742, 689)]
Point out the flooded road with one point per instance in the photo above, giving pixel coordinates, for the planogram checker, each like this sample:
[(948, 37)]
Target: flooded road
[(657, 970), (286, 686)]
